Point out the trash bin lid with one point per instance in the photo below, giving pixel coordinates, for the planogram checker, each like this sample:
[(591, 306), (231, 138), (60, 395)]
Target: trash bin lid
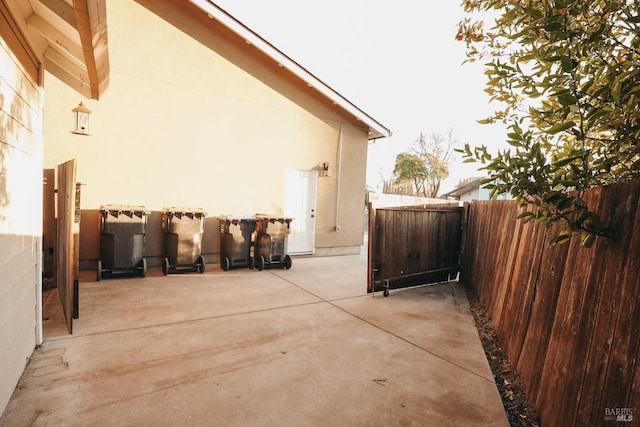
[(126, 209), (236, 218), (274, 218), (180, 211)]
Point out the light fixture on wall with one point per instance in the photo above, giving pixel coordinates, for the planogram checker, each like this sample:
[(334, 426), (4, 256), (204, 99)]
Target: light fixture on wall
[(81, 120), (81, 115), (324, 169)]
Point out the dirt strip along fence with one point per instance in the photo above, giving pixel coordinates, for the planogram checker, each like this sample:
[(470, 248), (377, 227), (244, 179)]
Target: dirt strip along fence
[(567, 316)]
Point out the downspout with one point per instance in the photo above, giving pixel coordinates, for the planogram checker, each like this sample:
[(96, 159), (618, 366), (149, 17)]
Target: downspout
[(39, 334), (39, 257), (339, 177)]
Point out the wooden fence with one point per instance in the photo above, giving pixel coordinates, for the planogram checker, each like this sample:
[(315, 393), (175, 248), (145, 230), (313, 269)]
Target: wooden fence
[(68, 227), (567, 316), (413, 245)]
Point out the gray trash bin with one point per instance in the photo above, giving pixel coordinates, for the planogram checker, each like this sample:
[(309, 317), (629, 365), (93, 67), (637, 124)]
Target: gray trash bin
[(235, 241), (183, 229), (271, 242), (122, 235)]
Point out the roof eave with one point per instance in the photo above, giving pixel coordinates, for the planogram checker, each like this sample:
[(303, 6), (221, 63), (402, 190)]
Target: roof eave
[(67, 40), (375, 129)]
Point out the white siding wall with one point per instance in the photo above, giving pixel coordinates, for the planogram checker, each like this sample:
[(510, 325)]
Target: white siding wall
[(472, 195), (21, 152)]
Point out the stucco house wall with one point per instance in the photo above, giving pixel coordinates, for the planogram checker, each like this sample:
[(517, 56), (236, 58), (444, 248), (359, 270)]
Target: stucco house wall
[(20, 217), (198, 121), (189, 115)]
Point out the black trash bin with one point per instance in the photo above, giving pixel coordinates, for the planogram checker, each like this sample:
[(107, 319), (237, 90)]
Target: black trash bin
[(271, 242), (123, 229), (235, 241), (183, 228)]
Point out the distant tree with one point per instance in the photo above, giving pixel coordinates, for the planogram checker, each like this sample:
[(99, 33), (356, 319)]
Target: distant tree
[(410, 168), (389, 186), (435, 151), (566, 74), (426, 165)]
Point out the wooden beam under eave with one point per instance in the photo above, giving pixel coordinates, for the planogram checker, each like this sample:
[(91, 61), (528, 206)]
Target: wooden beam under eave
[(75, 77), (91, 17), (62, 9), (55, 37), (67, 71)]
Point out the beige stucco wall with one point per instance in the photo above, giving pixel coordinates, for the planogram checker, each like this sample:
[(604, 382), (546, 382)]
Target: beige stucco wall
[(20, 218), (184, 125)]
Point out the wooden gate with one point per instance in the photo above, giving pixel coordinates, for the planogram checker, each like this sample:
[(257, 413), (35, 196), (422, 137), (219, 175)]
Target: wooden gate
[(414, 245), (68, 228)]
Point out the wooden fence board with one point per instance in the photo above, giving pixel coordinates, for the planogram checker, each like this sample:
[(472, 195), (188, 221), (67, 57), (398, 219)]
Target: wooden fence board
[(571, 336), (603, 326), (66, 252), (370, 239), (568, 316), (479, 252), (500, 253), (520, 296), (592, 332), (634, 397), (543, 308), (606, 308), (509, 267), (621, 315)]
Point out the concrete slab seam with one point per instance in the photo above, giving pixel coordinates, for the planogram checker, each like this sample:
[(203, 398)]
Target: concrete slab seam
[(178, 322), (331, 302)]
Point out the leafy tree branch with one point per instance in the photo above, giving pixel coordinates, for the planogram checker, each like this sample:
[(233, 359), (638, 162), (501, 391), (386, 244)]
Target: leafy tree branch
[(566, 76)]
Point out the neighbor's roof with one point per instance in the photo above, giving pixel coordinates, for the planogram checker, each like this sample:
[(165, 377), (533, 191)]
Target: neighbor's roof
[(244, 33), (465, 188)]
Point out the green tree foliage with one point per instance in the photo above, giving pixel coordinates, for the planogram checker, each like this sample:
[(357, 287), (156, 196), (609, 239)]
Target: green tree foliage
[(566, 76), (426, 165), (410, 168)]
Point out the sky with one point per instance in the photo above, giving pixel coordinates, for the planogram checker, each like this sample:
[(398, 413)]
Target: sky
[(397, 61)]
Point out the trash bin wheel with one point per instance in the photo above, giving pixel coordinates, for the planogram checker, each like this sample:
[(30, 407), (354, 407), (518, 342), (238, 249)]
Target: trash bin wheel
[(251, 264), (201, 264), (385, 293), (287, 262), (99, 275), (165, 266), (260, 262), (143, 267), (226, 264)]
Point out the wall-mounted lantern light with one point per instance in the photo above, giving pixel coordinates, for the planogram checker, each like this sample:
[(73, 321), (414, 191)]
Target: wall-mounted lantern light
[(324, 169), (81, 120)]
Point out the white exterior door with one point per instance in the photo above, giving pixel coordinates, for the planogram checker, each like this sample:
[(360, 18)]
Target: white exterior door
[(300, 204)]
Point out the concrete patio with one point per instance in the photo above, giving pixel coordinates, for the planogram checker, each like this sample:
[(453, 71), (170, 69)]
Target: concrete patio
[(305, 346)]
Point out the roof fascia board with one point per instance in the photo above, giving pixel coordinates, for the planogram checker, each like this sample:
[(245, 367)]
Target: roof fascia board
[(13, 35), (250, 37)]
